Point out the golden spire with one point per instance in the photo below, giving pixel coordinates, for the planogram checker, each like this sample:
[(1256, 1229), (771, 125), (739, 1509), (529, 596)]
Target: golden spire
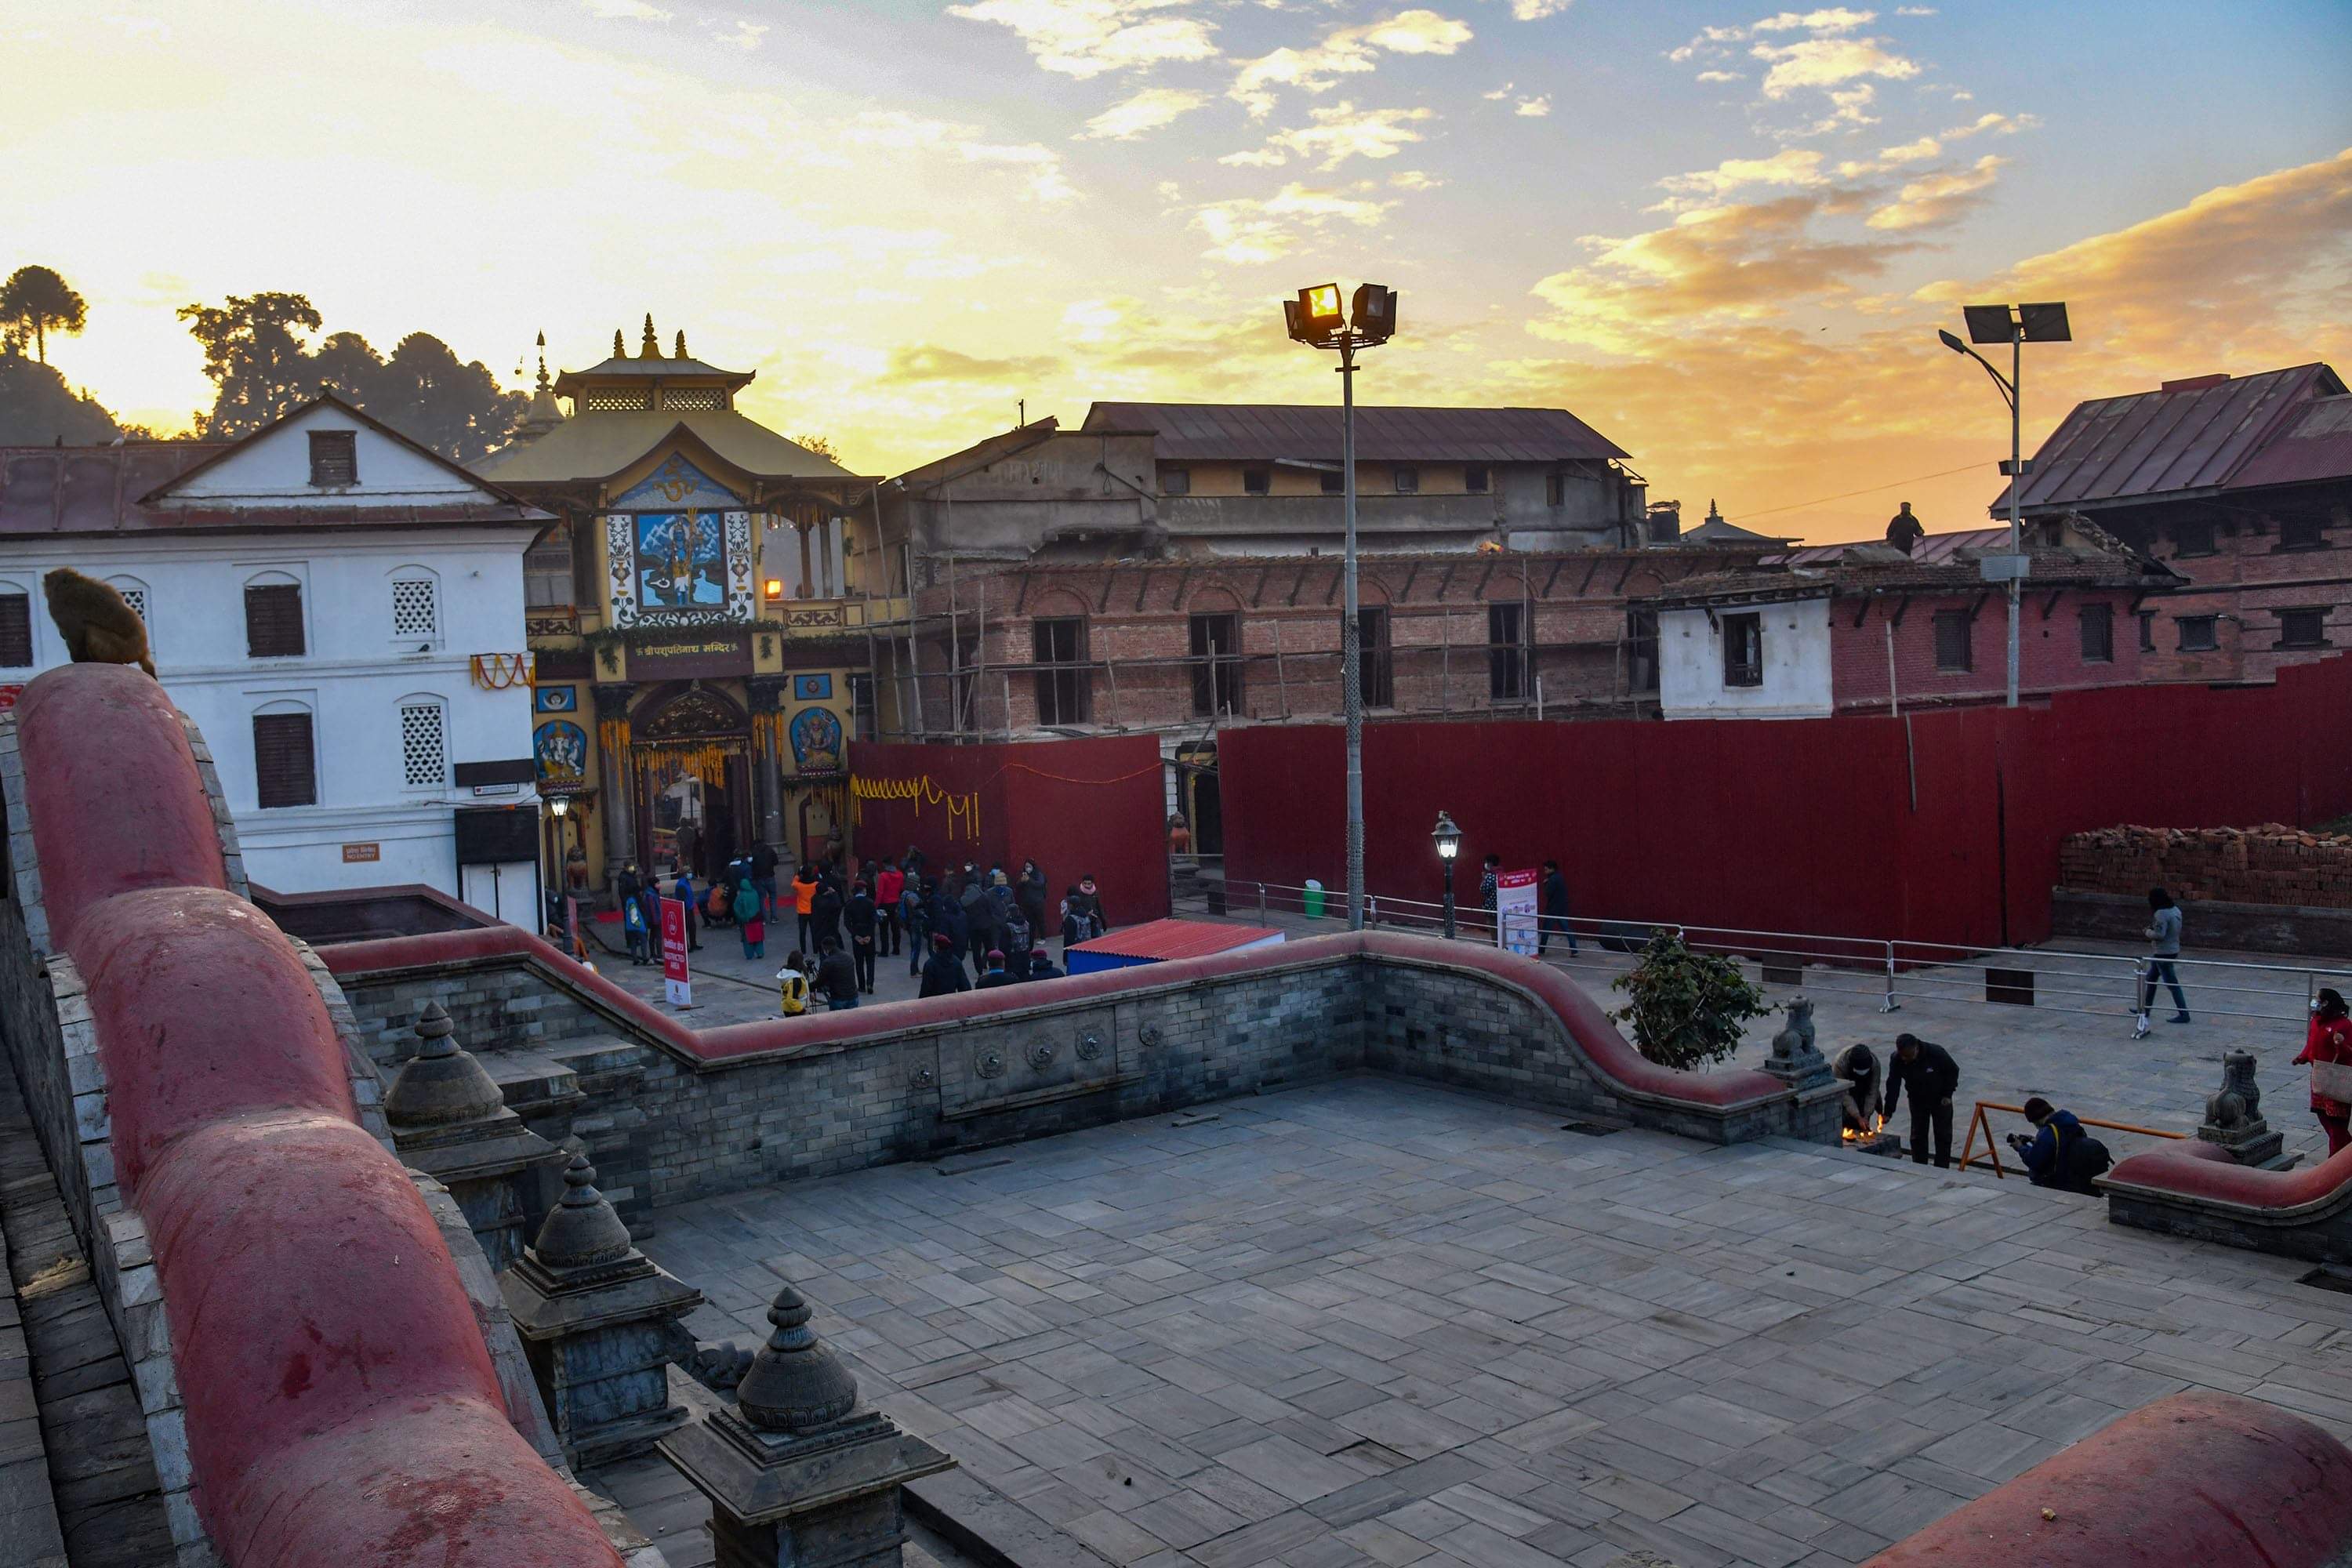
[(542, 362), (650, 348), (681, 342), (620, 350)]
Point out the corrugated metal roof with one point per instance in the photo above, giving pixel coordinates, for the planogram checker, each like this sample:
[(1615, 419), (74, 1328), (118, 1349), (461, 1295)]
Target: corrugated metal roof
[(1240, 432), (98, 489), (1951, 576), (2189, 439), (2316, 443), (1935, 547)]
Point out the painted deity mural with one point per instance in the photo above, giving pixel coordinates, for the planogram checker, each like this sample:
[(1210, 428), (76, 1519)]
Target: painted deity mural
[(561, 749), (815, 735), (681, 561)]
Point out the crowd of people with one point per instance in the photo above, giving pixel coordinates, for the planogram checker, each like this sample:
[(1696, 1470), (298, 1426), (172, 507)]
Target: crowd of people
[(960, 926)]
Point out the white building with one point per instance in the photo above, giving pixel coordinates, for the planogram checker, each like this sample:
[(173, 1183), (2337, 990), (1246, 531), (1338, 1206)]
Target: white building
[(340, 610)]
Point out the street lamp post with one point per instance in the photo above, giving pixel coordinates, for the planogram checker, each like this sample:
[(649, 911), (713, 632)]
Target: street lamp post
[(1314, 319), (1448, 839), (2016, 326)]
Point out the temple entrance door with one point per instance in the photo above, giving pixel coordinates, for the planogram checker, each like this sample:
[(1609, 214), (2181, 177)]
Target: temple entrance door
[(690, 752)]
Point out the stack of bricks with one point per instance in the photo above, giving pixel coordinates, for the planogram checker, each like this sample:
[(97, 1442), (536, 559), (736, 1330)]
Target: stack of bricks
[(2270, 864)]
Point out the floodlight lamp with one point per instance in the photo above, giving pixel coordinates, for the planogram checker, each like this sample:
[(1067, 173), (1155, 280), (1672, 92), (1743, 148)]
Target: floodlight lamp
[(2044, 323), (1988, 323), (1446, 836), (1374, 312), (1952, 343), (1318, 318), (775, 586)]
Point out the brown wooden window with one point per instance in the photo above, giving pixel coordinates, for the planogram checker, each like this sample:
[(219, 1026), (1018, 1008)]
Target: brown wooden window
[(2198, 633), (1334, 482), (1475, 480), (1216, 665), (2193, 537), (334, 457), (1407, 481), (273, 620), (2302, 629), (15, 629), (1955, 639), (2098, 633), (1257, 481), (2306, 531), (547, 570), (1743, 650), (1641, 650), (1506, 652), (1059, 643), (1375, 661), (284, 767), (1175, 481)]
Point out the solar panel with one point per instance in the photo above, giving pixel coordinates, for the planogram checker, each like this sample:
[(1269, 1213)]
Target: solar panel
[(1987, 323), (2044, 323)]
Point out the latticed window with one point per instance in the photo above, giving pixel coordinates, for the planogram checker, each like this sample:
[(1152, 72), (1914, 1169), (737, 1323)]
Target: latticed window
[(423, 753), (135, 598), (15, 629), (416, 608), (615, 401), (694, 397)]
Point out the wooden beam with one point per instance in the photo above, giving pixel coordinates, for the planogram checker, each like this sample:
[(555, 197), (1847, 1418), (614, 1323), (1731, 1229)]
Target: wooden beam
[(1557, 564), (2051, 603), (1586, 586), (1626, 576), (1409, 577), (1182, 581), (1446, 582), (1484, 578), (1295, 584), (1332, 592), (1143, 586), (1102, 605), (1862, 614), (1901, 608), (1021, 598), (1257, 594)]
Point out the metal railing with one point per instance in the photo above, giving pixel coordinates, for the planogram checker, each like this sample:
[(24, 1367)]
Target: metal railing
[(1890, 972)]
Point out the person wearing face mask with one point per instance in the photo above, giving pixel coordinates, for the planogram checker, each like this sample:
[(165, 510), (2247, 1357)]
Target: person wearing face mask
[(2327, 1048)]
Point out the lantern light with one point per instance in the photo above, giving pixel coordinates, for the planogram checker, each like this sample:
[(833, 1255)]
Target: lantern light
[(1447, 837), (559, 806)]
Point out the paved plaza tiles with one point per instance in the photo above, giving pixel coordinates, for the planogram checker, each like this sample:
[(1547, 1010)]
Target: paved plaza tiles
[(1374, 1323)]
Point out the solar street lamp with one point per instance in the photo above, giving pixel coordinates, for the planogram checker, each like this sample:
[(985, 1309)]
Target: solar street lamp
[(1313, 317), (2015, 325), (1448, 839)]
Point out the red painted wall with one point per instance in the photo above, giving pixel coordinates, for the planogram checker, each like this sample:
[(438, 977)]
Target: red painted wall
[(1804, 825), (2049, 649), (1095, 805)]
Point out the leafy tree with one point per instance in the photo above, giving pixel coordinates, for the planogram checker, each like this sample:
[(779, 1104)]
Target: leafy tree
[(36, 300), (1687, 1007), (254, 354), (36, 407)]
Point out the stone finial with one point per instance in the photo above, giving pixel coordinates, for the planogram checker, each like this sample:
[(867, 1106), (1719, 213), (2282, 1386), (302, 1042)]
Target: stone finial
[(681, 343), (582, 1230), (442, 1083), (620, 349), (651, 347), (796, 1382)]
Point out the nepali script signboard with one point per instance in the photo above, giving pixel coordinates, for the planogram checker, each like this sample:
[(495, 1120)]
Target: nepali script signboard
[(675, 979), (1515, 912)]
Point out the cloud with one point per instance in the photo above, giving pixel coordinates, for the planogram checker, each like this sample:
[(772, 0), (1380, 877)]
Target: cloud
[(1940, 198), (140, 29), (1414, 180), (929, 363), (1499, 94), (1826, 62), (1792, 167), (746, 36), (1340, 132), (1533, 108), (1997, 124), (625, 11), (1742, 262), (898, 130), (1087, 38), (1149, 110), (1721, 76), (1247, 230), (1536, 10), (1346, 51)]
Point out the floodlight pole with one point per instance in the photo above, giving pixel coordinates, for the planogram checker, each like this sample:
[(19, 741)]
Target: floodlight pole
[(1352, 652), (2016, 490)]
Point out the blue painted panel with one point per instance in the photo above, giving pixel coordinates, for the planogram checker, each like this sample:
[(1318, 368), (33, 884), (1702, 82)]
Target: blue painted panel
[(1083, 963), (677, 486)]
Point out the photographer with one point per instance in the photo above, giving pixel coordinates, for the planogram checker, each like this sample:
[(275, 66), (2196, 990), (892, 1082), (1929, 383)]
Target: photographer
[(2058, 1154)]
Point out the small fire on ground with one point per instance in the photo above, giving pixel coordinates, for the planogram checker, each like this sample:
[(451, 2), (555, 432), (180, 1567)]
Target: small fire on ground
[(1875, 1140), (1856, 1136)]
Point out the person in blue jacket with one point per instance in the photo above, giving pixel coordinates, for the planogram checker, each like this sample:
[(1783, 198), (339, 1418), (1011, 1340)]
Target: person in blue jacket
[(2053, 1155)]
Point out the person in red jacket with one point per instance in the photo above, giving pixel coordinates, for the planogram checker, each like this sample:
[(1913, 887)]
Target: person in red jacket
[(2329, 1046), (888, 883)]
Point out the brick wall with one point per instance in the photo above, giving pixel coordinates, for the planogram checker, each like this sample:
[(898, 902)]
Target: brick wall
[(2049, 645), (2266, 865), (714, 1126)]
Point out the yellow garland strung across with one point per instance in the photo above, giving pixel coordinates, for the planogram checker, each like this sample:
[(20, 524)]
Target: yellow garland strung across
[(498, 671), (923, 791), (666, 761)]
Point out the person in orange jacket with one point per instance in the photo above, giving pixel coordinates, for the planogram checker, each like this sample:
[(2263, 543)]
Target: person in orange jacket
[(2330, 1045), (804, 904)]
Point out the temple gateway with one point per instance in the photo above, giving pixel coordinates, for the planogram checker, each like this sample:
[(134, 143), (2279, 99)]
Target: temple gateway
[(695, 683)]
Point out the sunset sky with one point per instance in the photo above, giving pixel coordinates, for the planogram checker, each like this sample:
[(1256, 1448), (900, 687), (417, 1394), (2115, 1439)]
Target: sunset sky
[(1721, 236)]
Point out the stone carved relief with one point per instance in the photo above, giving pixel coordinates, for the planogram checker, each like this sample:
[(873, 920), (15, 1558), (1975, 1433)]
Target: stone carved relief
[(1041, 1056), (922, 1078), (989, 1064), (1148, 1034), (1090, 1046)]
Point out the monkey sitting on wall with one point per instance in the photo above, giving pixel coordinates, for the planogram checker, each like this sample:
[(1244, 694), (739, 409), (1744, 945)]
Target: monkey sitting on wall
[(98, 626)]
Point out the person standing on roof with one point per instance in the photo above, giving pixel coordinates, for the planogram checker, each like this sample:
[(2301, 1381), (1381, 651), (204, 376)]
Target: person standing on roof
[(1903, 531)]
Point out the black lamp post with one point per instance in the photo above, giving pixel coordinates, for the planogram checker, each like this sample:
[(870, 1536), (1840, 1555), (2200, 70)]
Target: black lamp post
[(1448, 839)]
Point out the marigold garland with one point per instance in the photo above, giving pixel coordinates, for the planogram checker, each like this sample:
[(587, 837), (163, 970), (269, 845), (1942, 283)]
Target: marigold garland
[(500, 671)]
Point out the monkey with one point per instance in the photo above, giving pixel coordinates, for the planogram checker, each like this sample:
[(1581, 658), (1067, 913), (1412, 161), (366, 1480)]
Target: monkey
[(98, 626)]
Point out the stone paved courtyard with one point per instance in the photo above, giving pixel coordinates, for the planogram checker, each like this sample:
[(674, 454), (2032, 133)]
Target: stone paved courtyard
[(1371, 1322)]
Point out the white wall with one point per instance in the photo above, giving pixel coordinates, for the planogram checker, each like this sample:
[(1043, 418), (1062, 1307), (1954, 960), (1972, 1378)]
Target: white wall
[(354, 678), (1796, 663), (275, 469)]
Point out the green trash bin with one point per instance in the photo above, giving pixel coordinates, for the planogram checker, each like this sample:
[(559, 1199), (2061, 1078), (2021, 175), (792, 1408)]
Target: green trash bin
[(1314, 900)]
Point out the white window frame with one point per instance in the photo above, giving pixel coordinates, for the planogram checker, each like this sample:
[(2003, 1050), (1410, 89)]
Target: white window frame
[(408, 641), (280, 575), (267, 704), (400, 709)]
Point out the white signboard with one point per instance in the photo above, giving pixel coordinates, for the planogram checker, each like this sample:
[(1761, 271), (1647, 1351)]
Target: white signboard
[(1515, 912)]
